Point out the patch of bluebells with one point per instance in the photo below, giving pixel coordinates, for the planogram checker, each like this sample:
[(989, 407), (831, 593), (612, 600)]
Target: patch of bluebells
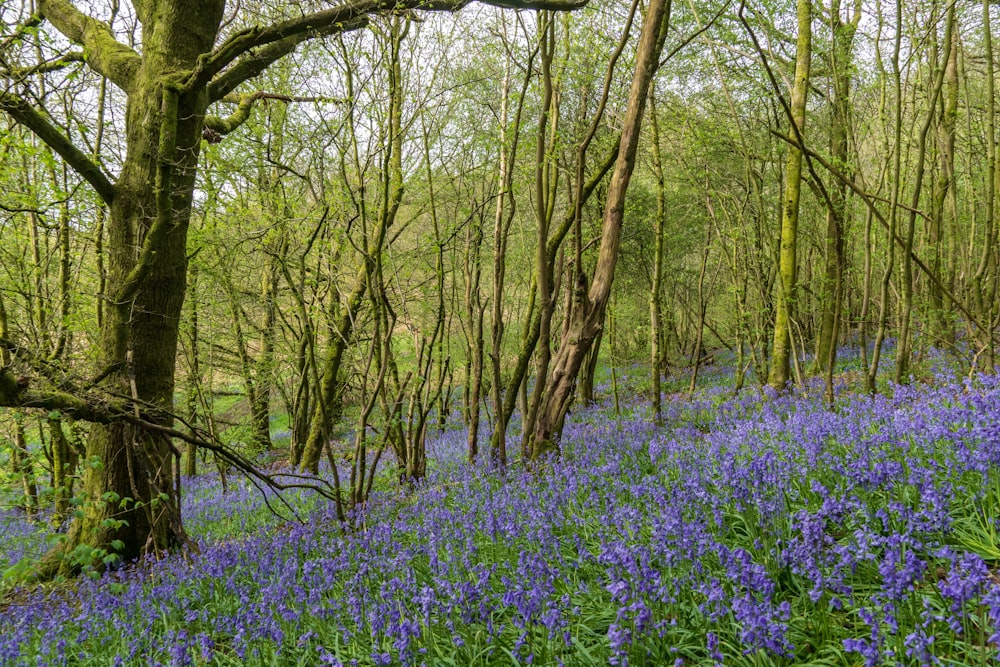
[(741, 529), (21, 536)]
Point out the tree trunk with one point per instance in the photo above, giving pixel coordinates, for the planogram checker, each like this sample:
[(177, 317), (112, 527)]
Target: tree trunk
[(590, 369), (147, 271), (782, 349), (64, 462), (903, 348), (475, 311), (897, 147), (944, 206), (841, 65), (588, 317), (20, 457), (656, 289), (986, 261), (545, 185), (193, 389)]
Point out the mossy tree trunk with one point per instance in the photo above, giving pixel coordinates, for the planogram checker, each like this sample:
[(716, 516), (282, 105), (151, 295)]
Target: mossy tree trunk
[(146, 252), (64, 462), (781, 348), (981, 282)]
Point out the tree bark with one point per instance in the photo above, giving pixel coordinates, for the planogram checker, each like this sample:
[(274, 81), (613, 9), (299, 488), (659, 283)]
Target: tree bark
[(841, 65), (591, 302), (656, 289), (782, 349)]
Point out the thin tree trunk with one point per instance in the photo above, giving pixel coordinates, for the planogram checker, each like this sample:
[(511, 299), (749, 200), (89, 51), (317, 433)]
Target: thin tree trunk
[(544, 207), (702, 306), (944, 205), (841, 65), (905, 343), (980, 279), (64, 461), (782, 348), (194, 373), (897, 148), (503, 217), (20, 457), (655, 297)]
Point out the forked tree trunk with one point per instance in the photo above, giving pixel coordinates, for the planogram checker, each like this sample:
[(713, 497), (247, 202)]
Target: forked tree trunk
[(131, 504), (589, 309)]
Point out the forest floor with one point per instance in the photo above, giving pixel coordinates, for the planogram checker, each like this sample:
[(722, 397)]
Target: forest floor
[(748, 529)]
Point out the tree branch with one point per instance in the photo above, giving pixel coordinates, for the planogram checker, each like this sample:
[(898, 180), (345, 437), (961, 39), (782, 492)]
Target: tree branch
[(551, 5), (280, 39), (25, 114), (256, 62), (216, 126), (15, 392), (107, 409), (21, 73), (105, 54)]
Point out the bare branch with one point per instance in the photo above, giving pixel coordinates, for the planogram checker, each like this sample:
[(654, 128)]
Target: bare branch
[(108, 409), (256, 62), (105, 54), (25, 114), (278, 40)]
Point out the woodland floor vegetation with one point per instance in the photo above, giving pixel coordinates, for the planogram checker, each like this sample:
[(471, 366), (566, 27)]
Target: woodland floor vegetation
[(746, 529)]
